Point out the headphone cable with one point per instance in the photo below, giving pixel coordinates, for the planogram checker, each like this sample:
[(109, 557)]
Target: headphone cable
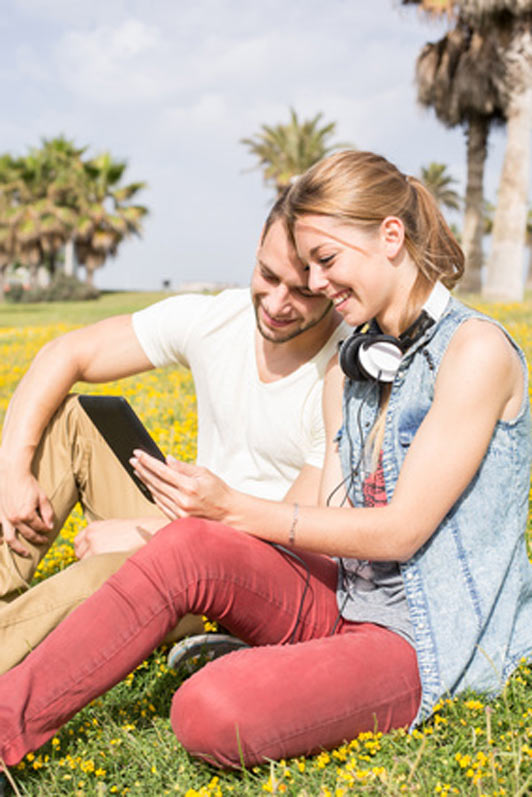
[(351, 477), (293, 555), (354, 470)]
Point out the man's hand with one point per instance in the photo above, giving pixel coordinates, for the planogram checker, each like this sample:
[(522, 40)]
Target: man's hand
[(108, 536), (183, 490), (102, 352), (24, 508)]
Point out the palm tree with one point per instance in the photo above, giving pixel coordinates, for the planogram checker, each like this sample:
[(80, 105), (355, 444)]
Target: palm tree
[(99, 231), (510, 24), (37, 207), (8, 183), (286, 150), (53, 198), (506, 28), (459, 77), (51, 179), (490, 211), (528, 284), (440, 184)]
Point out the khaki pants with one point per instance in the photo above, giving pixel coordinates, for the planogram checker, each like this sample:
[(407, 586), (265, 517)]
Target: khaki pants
[(72, 463)]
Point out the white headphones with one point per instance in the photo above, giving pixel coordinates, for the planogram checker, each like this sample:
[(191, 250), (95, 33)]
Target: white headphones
[(376, 356)]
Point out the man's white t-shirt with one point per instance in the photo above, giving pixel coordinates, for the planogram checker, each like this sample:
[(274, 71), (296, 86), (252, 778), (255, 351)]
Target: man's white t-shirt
[(255, 435)]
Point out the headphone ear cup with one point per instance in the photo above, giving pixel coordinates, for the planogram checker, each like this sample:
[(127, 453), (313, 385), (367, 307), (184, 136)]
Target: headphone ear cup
[(375, 357), (348, 356)]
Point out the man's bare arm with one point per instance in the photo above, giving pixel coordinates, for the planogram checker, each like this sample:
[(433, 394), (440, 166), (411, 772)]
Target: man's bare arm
[(99, 353)]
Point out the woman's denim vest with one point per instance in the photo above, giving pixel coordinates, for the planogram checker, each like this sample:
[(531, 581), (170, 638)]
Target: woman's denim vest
[(469, 588)]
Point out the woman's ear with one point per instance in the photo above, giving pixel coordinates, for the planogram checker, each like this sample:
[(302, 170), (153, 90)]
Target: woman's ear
[(392, 232)]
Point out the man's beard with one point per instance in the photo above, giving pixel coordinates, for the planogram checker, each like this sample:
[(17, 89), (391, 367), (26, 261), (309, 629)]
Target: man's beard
[(289, 335)]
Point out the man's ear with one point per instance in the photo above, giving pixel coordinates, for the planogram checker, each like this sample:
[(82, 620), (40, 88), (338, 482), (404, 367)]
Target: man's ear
[(392, 232)]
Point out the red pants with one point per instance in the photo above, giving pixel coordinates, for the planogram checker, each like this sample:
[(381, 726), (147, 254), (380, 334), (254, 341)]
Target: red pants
[(271, 701)]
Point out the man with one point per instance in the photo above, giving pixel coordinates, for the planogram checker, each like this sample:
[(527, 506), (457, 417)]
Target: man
[(257, 362)]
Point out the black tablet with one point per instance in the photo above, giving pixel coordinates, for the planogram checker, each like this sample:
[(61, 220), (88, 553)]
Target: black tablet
[(122, 430)]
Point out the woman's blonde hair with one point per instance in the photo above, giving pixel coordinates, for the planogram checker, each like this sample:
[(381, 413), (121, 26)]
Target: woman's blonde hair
[(362, 189)]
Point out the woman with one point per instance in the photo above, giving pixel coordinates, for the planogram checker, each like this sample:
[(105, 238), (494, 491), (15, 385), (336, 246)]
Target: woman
[(423, 505)]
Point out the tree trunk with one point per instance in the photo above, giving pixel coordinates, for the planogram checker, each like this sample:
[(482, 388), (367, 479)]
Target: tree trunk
[(472, 234), (70, 258), (3, 283), (33, 275), (43, 277), (528, 285), (89, 274), (505, 265)]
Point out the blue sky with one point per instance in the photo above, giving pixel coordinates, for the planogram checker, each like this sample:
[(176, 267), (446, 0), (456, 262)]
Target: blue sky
[(171, 86)]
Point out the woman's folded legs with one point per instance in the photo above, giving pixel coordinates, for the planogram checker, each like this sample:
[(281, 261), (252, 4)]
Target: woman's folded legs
[(258, 593)]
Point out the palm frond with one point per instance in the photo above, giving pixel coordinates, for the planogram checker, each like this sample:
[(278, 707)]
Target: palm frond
[(286, 150)]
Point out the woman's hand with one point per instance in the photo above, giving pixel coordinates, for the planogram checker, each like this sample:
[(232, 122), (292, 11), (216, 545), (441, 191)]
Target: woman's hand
[(183, 490)]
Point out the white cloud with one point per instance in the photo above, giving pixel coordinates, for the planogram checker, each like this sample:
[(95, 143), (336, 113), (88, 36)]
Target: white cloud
[(197, 118), (29, 65), (112, 64), (71, 12), (132, 38)]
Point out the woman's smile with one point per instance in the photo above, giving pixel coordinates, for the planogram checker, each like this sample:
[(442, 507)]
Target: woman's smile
[(339, 299)]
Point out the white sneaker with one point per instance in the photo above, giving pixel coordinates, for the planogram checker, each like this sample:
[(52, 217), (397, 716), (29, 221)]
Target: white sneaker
[(209, 646)]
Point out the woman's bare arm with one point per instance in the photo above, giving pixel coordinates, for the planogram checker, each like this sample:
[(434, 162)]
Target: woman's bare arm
[(479, 382)]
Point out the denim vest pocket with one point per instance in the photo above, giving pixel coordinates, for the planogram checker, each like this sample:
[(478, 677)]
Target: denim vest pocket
[(409, 422)]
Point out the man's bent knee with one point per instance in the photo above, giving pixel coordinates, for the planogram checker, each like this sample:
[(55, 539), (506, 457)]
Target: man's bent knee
[(27, 620), (89, 574)]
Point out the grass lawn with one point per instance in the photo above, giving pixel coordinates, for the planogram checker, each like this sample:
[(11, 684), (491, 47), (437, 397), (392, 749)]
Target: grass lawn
[(76, 313), (123, 744)]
